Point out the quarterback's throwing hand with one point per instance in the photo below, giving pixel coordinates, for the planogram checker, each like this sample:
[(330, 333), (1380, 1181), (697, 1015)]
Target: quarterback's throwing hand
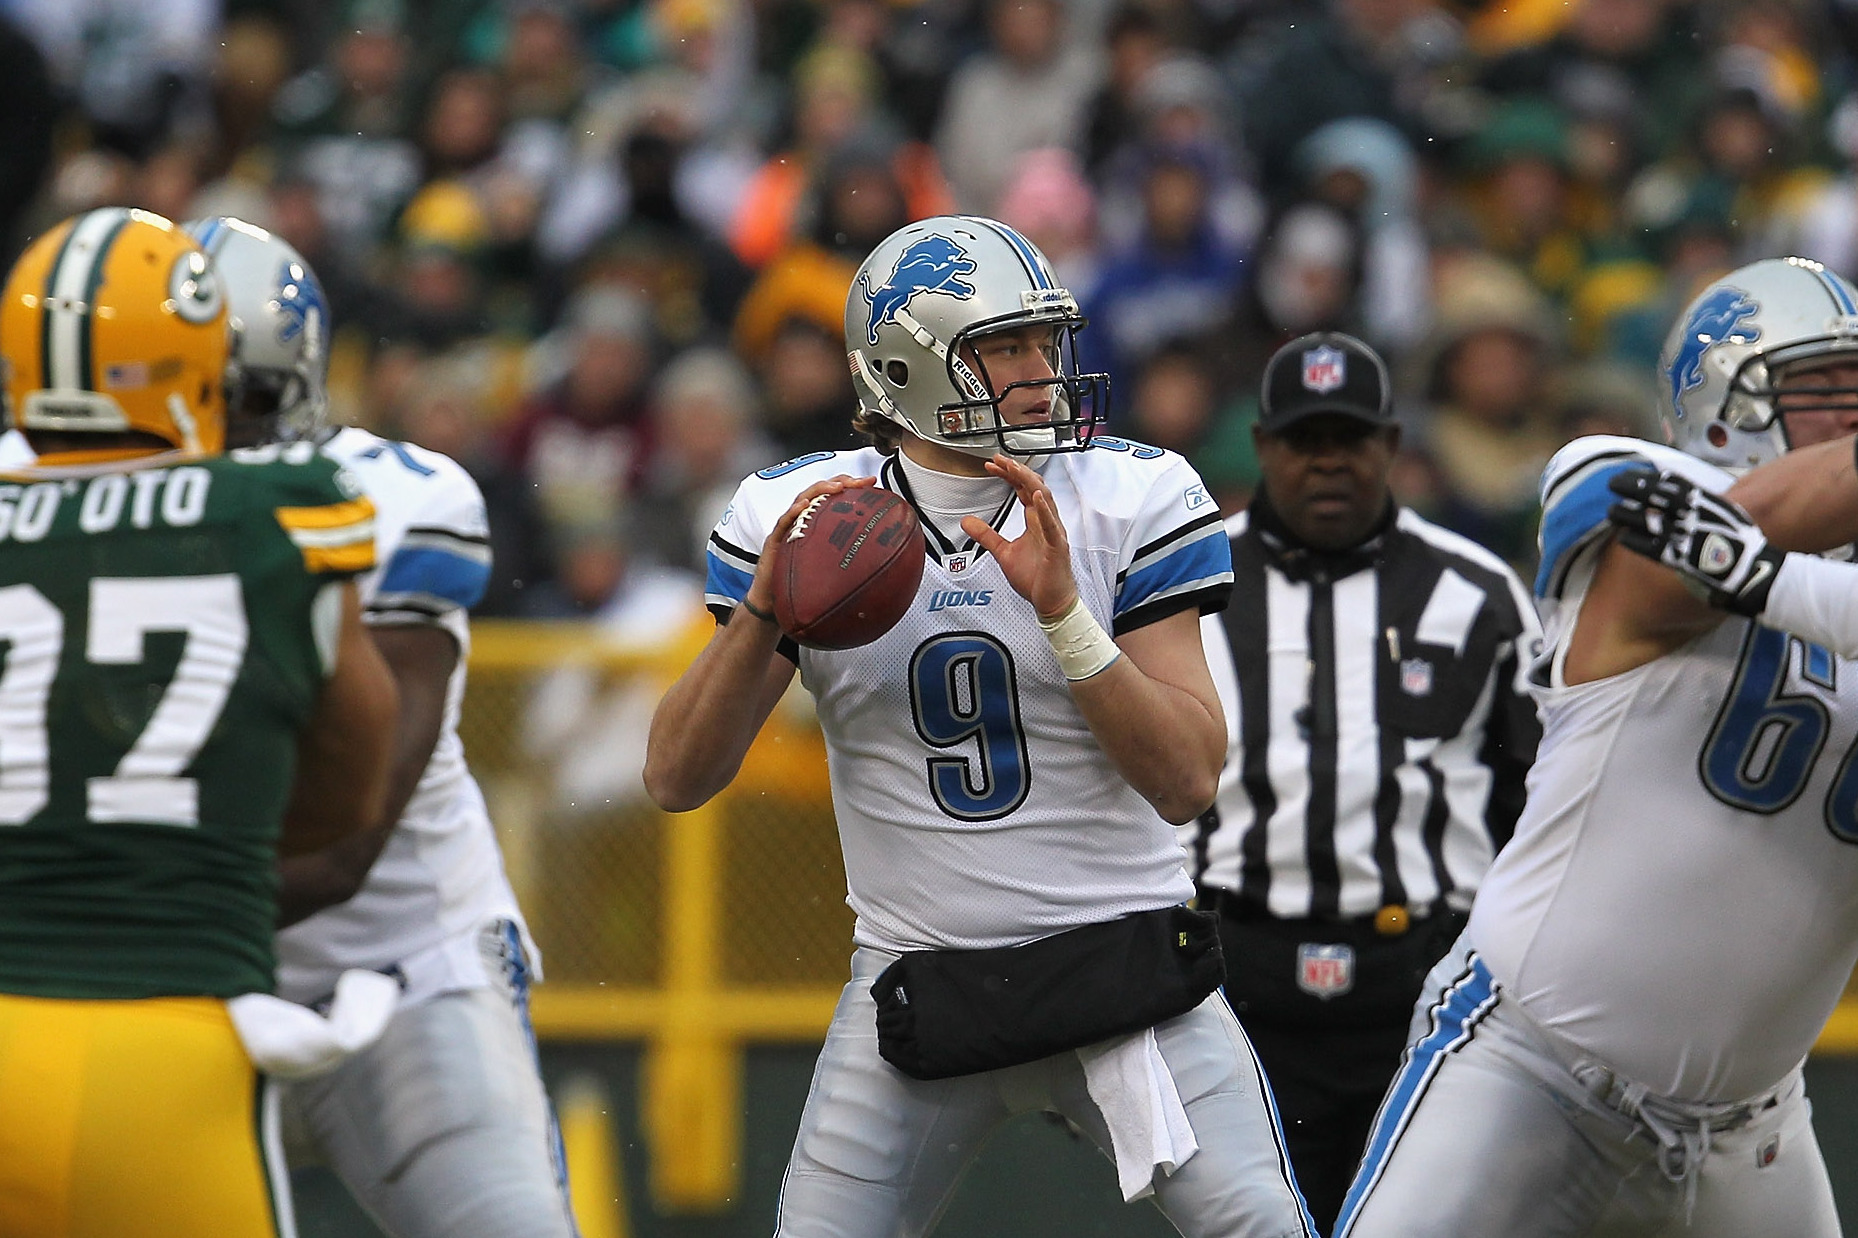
[(1709, 540)]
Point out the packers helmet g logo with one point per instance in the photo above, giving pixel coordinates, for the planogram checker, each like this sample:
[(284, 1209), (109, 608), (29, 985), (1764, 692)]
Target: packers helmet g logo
[(195, 289), (115, 322)]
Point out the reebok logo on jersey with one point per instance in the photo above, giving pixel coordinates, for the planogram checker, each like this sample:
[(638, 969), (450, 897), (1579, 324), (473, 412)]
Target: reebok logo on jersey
[(948, 599)]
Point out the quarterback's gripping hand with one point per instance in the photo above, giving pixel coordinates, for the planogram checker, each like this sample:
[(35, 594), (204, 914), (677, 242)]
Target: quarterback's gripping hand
[(1709, 540)]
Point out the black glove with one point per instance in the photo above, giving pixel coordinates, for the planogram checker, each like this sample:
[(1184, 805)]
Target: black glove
[(1709, 540)]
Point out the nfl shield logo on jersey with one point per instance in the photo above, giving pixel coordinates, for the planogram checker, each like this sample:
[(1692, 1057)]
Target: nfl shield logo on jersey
[(1416, 677), (1325, 970), (1324, 369)]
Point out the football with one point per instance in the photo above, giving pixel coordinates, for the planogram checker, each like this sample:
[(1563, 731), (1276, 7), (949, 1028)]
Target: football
[(849, 569)]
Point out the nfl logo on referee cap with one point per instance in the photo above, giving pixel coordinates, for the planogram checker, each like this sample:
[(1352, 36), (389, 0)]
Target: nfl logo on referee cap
[(1325, 970), (1324, 369)]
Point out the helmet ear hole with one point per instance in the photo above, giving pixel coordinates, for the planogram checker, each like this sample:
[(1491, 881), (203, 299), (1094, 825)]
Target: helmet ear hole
[(1718, 434), (898, 372)]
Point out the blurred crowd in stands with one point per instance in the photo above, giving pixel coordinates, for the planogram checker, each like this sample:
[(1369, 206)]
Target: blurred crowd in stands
[(598, 250)]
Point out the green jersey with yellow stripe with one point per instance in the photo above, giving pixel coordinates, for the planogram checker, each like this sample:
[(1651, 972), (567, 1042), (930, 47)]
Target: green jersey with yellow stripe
[(165, 628)]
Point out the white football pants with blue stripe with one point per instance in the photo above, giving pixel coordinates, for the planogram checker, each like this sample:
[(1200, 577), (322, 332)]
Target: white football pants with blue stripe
[(440, 1129), (879, 1153), (1485, 1131)]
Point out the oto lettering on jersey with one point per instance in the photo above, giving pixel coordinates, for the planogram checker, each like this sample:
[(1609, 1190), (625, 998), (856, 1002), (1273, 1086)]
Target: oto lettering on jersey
[(949, 599), (177, 497)]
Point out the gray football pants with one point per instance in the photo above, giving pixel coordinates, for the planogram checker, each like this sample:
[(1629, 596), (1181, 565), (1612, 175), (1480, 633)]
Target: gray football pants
[(878, 1153), (441, 1128), (1485, 1131)]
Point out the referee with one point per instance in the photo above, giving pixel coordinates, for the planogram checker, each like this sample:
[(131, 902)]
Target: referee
[(1372, 666)]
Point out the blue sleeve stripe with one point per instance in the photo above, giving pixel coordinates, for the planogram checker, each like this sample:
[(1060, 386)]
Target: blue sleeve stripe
[(726, 581), (1574, 518), (436, 573), (1205, 560)]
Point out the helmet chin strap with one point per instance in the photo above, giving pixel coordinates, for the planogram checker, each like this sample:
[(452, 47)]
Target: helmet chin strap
[(184, 421), (1036, 440)]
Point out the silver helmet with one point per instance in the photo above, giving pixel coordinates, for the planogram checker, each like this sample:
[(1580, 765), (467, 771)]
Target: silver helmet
[(936, 285), (1722, 359), (280, 318)]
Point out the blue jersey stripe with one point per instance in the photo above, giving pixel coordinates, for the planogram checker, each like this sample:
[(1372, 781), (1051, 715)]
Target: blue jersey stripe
[(1573, 516), (1460, 1009), (727, 580), (436, 573), (1201, 561)]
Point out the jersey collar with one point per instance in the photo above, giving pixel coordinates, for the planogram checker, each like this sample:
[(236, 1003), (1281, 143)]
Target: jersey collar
[(892, 477)]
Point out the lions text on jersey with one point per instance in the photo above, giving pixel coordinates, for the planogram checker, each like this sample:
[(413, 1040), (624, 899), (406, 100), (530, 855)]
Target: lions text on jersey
[(1015, 824)]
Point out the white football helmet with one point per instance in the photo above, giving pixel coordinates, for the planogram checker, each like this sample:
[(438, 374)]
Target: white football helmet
[(936, 285), (1720, 362), (278, 388)]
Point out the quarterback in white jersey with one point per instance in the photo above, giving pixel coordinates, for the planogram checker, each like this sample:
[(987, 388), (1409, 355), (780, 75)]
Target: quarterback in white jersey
[(1616, 1047), (441, 1127), (1005, 761), (995, 855)]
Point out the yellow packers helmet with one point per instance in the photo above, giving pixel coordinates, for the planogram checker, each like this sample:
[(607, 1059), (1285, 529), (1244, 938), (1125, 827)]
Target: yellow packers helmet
[(115, 321)]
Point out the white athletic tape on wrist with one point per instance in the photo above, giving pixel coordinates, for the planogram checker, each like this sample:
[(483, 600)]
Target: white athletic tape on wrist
[(1082, 646)]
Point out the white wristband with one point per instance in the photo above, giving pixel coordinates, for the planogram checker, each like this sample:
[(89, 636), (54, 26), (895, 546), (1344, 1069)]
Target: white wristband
[(1814, 598), (1082, 646)]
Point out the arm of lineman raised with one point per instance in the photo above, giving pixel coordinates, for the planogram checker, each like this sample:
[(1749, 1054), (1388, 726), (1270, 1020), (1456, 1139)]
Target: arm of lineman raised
[(1632, 609), (1806, 499), (1725, 555), (344, 750), (702, 728), (421, 659), (1147, 696)]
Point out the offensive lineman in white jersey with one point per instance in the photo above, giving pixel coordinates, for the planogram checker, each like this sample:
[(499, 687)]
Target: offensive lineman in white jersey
[(1616, 1048), (441, 1129), (1003, 768)]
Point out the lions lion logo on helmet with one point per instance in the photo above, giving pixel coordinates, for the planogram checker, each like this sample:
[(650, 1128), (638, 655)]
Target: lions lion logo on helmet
[(1713, 319), (933, 264)]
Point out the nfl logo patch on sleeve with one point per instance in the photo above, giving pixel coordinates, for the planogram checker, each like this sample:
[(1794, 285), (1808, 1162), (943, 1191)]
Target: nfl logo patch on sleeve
[(1325, 970)]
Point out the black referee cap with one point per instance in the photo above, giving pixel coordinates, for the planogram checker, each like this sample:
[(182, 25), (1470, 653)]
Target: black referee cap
[(1324, 372)]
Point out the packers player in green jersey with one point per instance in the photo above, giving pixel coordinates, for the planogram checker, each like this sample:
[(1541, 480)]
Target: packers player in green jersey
[(186, 693)]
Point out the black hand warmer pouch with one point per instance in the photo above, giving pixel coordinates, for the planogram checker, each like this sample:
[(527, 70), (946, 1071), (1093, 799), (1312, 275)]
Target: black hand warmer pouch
[(942, 1013)]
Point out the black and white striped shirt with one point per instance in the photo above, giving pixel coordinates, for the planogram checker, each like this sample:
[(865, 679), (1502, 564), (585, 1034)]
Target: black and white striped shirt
[(1378, 722)]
